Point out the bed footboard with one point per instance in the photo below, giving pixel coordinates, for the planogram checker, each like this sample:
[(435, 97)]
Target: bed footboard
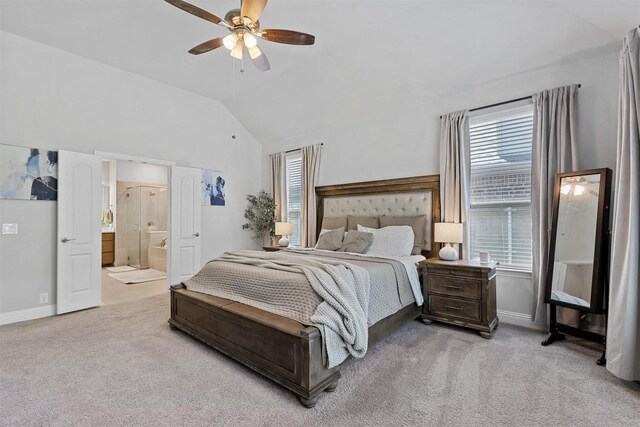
[(281, 349)]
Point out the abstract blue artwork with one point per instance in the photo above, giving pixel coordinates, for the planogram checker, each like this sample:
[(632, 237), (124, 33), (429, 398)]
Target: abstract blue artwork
[(28, 173), (212, 188)]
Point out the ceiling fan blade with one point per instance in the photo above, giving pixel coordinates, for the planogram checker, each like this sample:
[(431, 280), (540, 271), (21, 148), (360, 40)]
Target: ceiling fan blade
[(252, 8), (287, 36), (206, 46), (200, 13), (259, 59)]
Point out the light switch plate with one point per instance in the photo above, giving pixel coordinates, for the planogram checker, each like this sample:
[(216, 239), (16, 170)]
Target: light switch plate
[(9, 228)]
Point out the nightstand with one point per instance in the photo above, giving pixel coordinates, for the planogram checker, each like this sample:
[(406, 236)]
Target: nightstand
[(461, 293), (272, 248)]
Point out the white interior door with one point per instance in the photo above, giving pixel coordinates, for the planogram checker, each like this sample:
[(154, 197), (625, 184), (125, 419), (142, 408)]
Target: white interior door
[(79, 239), (185, 247)]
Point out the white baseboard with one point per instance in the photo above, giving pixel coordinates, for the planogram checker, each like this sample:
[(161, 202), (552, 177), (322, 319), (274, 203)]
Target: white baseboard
[(520, 319), (28, 314)]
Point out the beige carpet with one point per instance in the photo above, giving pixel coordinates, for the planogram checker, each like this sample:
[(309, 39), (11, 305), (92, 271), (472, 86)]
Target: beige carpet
[(122, 365)]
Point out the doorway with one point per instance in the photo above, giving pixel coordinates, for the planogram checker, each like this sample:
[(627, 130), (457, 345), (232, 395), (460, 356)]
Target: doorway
[(79, 240), (135, 230)]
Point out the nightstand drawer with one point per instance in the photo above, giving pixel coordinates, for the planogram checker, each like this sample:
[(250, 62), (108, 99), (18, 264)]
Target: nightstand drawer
[(451, 307), (455, 271), (455, 286)]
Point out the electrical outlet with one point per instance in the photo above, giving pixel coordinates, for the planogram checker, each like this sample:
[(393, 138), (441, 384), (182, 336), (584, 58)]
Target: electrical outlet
[(44, 298), (9, 228)]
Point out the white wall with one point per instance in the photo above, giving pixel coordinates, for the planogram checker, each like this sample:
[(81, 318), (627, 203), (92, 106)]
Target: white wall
[(140, 172), (398, 136), (401, 137), (56, 100), (109, 179)]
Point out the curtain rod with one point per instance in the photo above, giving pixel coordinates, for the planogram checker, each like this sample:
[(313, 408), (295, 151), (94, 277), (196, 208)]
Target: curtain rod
[(296, 149), (505, 102)]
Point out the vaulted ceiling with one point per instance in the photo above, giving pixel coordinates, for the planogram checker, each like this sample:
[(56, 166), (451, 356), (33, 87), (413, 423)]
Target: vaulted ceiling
[(366, 52)]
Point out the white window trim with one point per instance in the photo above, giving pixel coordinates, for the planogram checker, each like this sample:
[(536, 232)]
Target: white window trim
[(294, 155), (510, 271), (488, 114)]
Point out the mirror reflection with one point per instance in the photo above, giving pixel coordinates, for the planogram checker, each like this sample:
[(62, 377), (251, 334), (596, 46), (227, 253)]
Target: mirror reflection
[(575, 239)]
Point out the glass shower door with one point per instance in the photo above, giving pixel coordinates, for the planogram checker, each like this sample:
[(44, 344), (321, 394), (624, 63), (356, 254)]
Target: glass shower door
[(147, 198), (133, 226)]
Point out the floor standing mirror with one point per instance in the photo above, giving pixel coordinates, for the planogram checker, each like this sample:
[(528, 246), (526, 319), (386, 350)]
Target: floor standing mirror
[(578, 267)]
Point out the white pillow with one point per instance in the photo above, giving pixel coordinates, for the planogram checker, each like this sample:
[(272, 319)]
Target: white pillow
[(393, 240)]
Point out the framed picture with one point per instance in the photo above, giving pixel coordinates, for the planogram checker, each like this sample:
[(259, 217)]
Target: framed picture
[(28, 173), (212, 188)]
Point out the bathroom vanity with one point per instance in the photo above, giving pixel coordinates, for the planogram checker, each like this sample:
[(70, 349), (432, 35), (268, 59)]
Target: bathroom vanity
[(108, 248)]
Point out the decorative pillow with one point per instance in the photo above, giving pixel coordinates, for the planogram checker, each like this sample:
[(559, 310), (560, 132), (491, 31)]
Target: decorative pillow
[(417, 223), (331, 240), (367, 221), (394, 240), (356, 241), (333, 222)]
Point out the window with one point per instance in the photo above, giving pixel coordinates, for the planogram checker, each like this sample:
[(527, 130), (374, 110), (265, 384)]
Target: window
[(294, 194), (500, 201)]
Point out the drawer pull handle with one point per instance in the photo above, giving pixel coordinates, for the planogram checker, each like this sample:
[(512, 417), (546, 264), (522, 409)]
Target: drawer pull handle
[(452, 272), (459, 288), (449, 307)]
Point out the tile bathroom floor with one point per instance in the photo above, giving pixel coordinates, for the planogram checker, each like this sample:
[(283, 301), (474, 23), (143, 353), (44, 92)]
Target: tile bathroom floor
[(114, 292)]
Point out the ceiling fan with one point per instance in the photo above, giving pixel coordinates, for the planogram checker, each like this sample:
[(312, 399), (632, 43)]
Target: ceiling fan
[(244, 27)]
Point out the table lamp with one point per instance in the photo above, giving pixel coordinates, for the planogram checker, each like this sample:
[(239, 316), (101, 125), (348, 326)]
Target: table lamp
[(448, 232), (283, 229)]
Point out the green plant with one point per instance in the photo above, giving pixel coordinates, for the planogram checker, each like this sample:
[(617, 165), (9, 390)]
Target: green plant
[(260, 215)]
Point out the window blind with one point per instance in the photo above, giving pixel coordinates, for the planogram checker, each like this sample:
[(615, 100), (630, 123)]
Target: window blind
[(500, 200), (294, 195)]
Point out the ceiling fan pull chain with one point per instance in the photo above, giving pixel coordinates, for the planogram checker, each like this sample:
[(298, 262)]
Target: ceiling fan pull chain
[(233, 91)]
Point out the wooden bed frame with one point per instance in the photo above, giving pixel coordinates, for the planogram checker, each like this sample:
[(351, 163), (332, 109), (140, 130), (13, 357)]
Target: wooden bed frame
[(279, 348)]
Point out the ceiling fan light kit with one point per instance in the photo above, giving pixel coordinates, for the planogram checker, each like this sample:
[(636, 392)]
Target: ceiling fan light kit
[(230, 41), (249, 40), (245, 30), (254, 52), (236, 52)]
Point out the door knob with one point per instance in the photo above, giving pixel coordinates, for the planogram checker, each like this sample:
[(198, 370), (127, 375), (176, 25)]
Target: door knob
[(196, 234), (65, 240)]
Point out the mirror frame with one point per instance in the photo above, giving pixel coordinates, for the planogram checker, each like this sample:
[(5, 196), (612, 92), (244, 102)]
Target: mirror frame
[(600, 275)]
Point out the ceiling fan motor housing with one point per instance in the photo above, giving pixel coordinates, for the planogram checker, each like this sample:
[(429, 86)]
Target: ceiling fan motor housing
[(233, 17)]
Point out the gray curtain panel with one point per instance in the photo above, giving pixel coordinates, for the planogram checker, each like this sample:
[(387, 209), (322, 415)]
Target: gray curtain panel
[(623, 331), (310, 170), (454, 173), (554, 151), (279, 185)]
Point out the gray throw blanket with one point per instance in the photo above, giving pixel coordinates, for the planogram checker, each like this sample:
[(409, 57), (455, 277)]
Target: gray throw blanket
[(344, 288)]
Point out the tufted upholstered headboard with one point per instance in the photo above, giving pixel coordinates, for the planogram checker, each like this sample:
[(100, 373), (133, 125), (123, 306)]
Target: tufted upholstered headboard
[(412, 196)]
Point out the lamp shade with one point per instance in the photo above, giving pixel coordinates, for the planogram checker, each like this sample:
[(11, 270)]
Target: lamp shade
[(447, 232), (284, 229)]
